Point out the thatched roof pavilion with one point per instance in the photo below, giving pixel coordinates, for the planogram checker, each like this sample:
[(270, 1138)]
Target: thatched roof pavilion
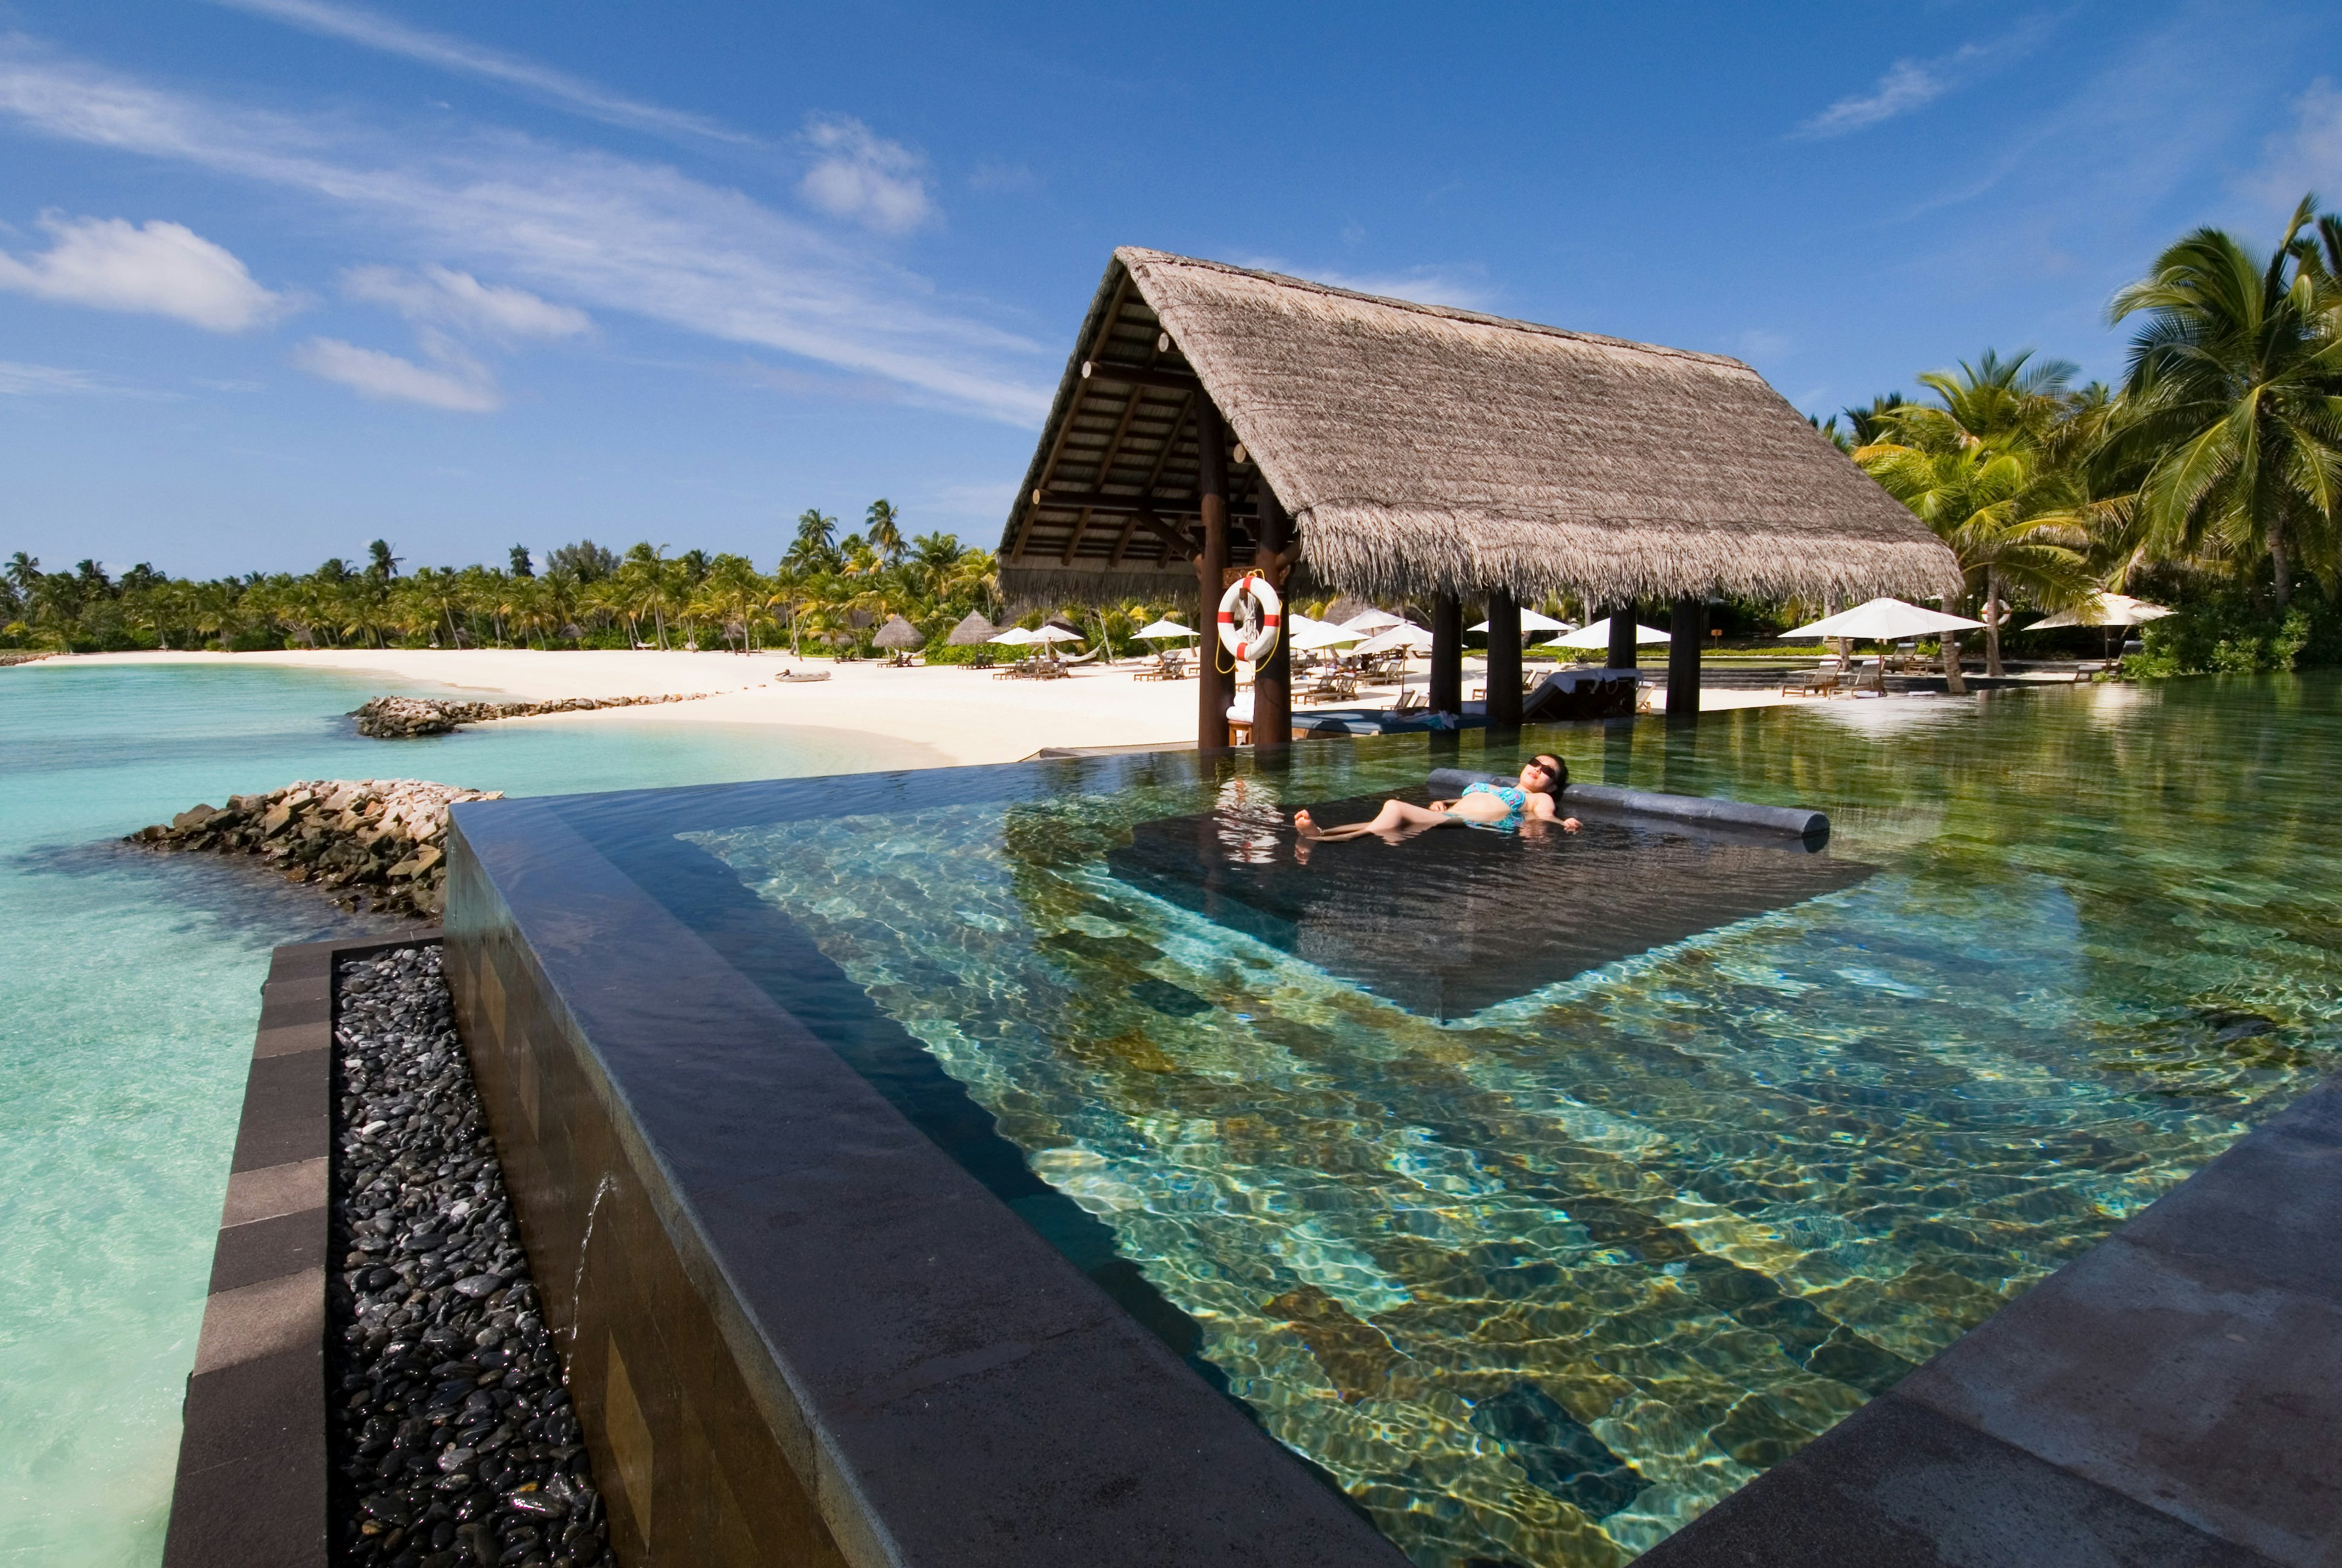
[(973, 629), (1213, 418), (900, 634), (1422, 451)]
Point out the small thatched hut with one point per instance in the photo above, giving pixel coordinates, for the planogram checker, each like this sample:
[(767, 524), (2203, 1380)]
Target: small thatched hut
[(1413, 452), (975, 629), (899, 635)]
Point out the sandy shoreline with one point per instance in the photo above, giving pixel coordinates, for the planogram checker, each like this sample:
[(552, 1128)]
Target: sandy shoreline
[(962, 716)]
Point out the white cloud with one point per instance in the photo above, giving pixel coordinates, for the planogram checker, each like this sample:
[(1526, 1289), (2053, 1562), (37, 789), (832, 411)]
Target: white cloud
[(161, 269), (1463, 286), (611, 232), (466, 388), (21, 380), (875, 182), (1912, 84), (444, 296), (373, 30), (2305, 156)]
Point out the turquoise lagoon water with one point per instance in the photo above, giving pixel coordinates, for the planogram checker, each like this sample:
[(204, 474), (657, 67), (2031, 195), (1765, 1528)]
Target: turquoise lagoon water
[(129, 986), (1537, 1284)]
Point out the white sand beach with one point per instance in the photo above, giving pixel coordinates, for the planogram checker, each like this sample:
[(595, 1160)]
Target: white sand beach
[(964, 715)]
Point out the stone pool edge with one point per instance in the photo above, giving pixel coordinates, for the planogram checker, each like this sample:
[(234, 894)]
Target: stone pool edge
[(2173, 1395), (254, 1478), (800, 1331)]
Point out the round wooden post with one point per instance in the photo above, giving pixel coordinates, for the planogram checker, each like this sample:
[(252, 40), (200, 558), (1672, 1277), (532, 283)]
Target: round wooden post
[(1622, 637), (1447, 688), (1504, 661), (1215, 682), (1272, 683), (1687, 631)]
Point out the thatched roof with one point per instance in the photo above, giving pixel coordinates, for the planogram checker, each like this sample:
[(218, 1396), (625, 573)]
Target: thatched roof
[(975, 629), (1427, 450), (897, 633)]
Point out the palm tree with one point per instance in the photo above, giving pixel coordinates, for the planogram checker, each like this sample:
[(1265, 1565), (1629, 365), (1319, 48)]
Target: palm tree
[(1981, 466), (815, 547), (2233, 414), (882, 527)]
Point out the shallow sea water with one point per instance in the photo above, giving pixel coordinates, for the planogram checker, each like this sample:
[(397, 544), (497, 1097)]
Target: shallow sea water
[(129, 987), (1538, 1284)]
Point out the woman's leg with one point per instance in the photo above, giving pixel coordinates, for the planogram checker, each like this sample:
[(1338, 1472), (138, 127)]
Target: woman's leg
[(1396, 816)]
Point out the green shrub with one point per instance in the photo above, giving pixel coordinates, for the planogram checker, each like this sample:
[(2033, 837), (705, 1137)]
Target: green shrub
[(2236, 633)]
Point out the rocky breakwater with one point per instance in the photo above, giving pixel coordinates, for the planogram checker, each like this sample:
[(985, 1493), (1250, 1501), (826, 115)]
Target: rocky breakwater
[(381, 842), (452, 1425), (404, 718)]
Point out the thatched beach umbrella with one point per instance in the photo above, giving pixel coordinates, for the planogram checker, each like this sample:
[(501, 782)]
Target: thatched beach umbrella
[(974, 630), (899, 635)]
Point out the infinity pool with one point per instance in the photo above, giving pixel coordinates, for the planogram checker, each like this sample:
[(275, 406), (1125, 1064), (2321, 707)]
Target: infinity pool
[(1697, 1145)]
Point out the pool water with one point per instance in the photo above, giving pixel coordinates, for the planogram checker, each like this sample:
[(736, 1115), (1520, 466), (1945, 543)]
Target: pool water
[(1537, 1273), (129, 988)]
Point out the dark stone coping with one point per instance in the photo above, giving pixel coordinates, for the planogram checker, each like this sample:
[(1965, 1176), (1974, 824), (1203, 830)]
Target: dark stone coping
[(800, 1332), (2173, 1396), (252, 1484)]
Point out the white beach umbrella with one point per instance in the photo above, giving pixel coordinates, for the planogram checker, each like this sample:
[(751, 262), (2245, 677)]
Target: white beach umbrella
[(1055, 634), (1413, 639), (1533, 622), (1881, 621), (1154, 630), (1373, 621), (2102, 609), (1309, 635), (1016, 637), (1597, 635)]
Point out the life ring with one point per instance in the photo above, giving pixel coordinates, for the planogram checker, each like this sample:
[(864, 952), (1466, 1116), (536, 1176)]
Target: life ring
[(1250, 614)]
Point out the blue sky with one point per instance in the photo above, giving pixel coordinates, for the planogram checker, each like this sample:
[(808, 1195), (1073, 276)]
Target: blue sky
[(279, 276)]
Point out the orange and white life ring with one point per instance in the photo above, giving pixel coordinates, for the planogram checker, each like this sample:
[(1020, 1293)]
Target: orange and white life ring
[(1250, 613)]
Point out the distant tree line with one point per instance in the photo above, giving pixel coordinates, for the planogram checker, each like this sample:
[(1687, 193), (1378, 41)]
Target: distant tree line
[(825, 593)]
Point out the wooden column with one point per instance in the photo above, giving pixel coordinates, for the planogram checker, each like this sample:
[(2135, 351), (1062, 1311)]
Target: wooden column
[(1504, 661), (1685, 634), (1272, 684), (1216, 684), (1447, 691), (1622, 637)]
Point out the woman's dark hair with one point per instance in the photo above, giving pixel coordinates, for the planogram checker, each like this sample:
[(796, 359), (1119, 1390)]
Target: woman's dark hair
[(1556, 773)]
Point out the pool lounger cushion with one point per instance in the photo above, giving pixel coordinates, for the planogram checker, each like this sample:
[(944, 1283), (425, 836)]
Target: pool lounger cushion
[(1796, 822)]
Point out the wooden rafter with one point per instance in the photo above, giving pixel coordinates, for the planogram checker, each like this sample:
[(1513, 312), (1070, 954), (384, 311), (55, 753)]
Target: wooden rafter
[(1106, 327)]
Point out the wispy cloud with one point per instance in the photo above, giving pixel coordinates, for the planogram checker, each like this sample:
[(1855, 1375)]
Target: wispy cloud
[(371, 30), (461, 386), (438, 295), (2307, 156), (1912, 84), (160, 269), (1464, 286), (856, 175), (580, 226), (18, 379)]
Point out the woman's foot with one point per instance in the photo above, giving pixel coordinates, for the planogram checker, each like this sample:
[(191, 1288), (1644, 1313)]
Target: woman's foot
[(1306, 828)]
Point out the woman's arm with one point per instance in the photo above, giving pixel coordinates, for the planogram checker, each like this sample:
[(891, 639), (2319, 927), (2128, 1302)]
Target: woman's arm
[(1541, 808)]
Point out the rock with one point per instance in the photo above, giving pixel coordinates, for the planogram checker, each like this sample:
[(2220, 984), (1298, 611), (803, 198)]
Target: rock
[(386, 836), (435, 1394), (406, 718)]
